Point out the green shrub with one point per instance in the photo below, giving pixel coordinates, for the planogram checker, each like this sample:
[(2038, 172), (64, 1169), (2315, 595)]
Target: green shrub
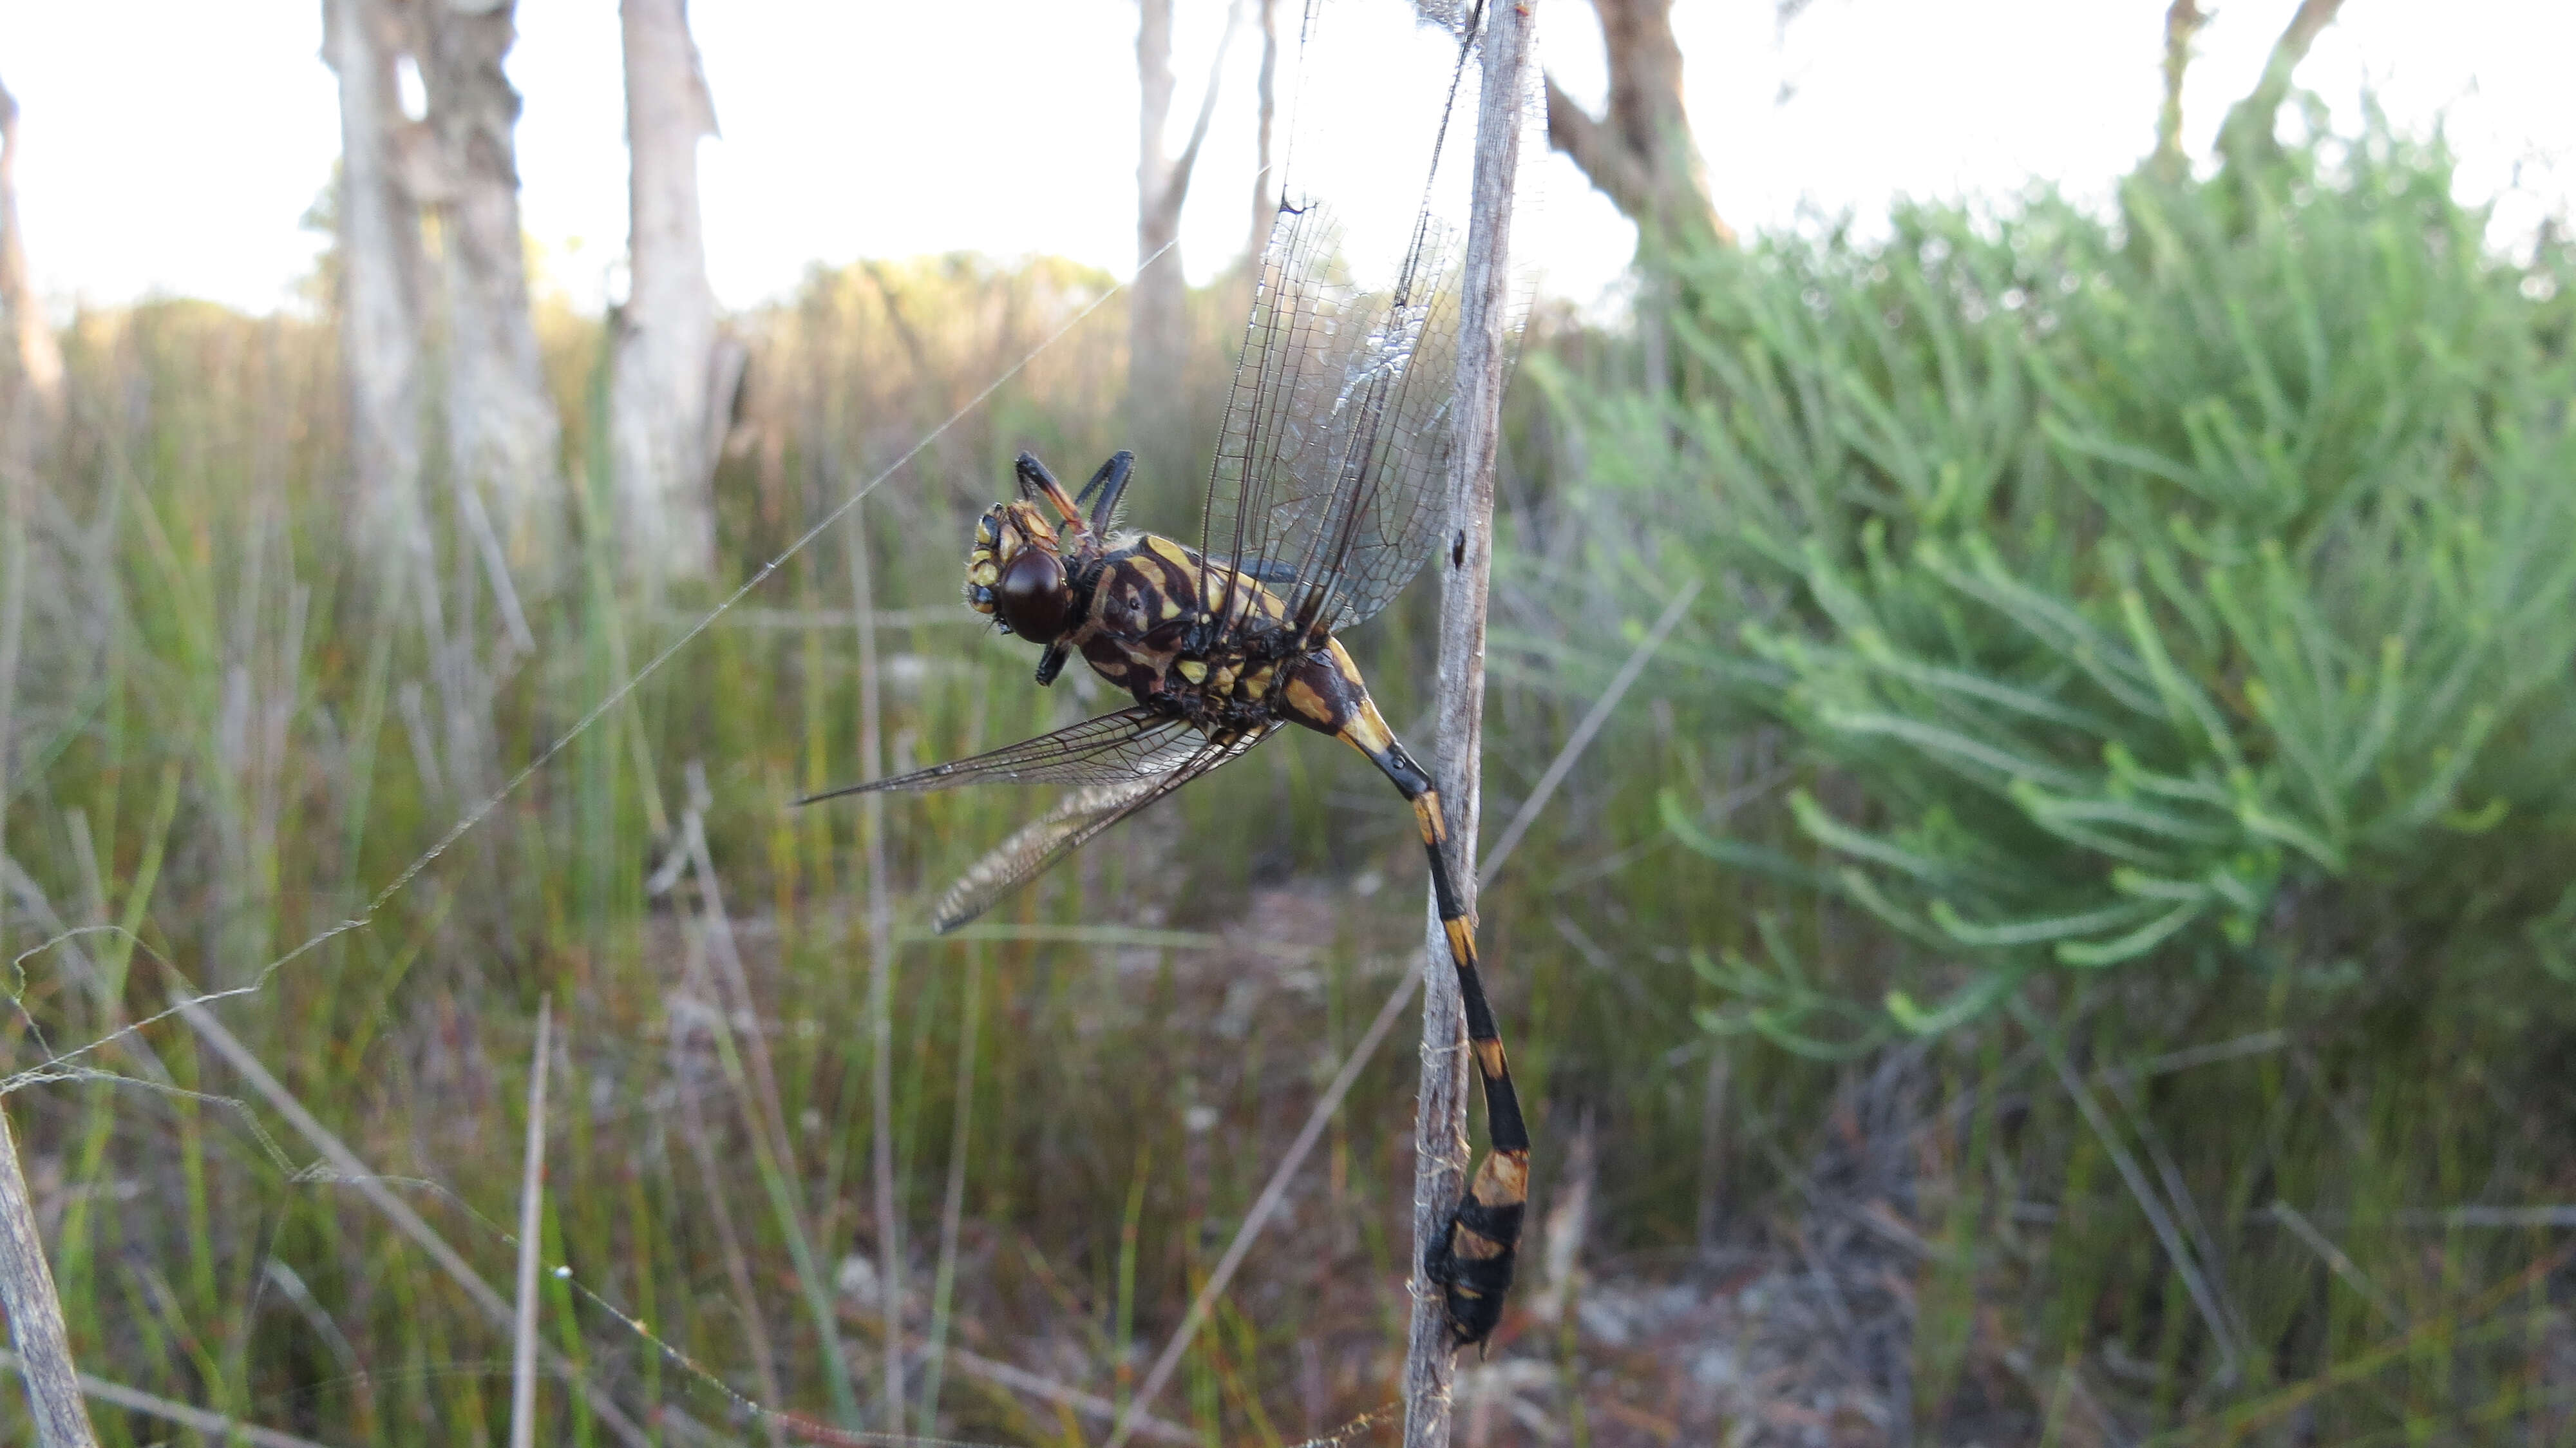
[(2167, 588)]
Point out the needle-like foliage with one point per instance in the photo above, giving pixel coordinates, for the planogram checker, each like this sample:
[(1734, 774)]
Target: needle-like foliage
[(2180, 587)]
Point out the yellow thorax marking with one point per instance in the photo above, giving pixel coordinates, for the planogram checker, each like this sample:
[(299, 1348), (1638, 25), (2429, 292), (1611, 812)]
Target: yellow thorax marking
[(1193, 670)]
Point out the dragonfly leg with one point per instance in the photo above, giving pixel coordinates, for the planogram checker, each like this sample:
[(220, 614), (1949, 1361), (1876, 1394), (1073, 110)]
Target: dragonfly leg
[(1472, 1261), (1110, 482), (1036, 482)]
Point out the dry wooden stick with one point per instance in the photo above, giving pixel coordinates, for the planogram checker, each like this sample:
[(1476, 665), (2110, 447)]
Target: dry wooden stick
[(1440, 1117), (44, 1353)]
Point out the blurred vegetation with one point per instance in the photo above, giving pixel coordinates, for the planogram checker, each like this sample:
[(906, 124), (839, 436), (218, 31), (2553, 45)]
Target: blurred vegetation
[(2131, 705)]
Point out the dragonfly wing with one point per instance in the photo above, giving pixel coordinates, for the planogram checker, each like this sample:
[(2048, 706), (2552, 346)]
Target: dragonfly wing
[(1109, 749), (1083, 814), (1334, 454)]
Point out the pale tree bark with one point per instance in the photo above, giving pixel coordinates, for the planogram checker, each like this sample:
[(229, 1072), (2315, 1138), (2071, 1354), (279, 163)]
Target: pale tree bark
[(1640, 153), (675, 372), (2246, 137), (381, 281), (1265, 186), (40, 358), (502, 432), (1156, 325), (1466, 570)]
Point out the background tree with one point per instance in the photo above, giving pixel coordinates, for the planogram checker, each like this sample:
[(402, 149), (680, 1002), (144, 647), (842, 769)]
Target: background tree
[(2245, 138), (502, 432), (2182, 22), (1265, 187), (381, 271), (1640, 153), (675, 373), (1156, 329), (40, 358)]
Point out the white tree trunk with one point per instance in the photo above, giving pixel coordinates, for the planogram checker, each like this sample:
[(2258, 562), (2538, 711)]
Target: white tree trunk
[(380, 280), (664, 405), (502, 432), (1157, 320), (40, 359), (1154, 307)]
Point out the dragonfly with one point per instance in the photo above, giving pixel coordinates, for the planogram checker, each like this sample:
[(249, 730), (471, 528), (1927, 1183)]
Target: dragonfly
[(1327, 487)]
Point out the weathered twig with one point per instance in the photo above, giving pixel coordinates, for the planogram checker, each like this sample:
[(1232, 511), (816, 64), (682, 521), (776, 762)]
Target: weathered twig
[(1440, 1119), (44, 1355)]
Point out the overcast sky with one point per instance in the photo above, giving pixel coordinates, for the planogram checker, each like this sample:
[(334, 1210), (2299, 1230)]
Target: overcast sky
[(171, 146)]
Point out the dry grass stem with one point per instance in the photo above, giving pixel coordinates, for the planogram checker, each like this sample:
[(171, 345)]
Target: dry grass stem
[(532, 1184), (348, 1169)]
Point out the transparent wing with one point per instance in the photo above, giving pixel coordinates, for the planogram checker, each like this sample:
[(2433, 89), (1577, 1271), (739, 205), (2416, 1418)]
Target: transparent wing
[(1333, 461), (1084, 813), (1127, 745)]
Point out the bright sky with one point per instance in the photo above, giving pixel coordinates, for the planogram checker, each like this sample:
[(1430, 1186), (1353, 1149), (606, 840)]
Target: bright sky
[(171, 146)]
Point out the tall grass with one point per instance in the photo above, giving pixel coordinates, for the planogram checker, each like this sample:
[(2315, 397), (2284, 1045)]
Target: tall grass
[(231, 741)]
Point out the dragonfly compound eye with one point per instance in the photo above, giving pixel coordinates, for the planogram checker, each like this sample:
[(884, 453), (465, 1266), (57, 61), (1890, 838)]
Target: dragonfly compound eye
[(1031, 595)]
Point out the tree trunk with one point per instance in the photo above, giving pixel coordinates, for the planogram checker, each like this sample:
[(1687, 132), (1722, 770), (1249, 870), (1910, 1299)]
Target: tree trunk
[(502, 431), (1157, 329), (2245, 138), (1640, 153), (1154, 309), (2182, 22), (40, 359), (381, 269), (1265, 187), (664, 404)]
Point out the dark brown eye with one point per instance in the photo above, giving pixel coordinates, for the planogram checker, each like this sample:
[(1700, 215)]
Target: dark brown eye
[(1031, 596)]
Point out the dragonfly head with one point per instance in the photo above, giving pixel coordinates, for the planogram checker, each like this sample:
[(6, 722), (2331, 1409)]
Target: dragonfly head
[(1016, 573)]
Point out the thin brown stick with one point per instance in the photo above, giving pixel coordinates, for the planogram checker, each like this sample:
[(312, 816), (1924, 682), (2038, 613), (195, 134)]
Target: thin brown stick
[(348, 1169), (213, 1425), (1440, 1120), (532, 1187), (44, 1355)]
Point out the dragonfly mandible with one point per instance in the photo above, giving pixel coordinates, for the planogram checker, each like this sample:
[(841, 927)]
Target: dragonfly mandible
[(1328, 482)]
